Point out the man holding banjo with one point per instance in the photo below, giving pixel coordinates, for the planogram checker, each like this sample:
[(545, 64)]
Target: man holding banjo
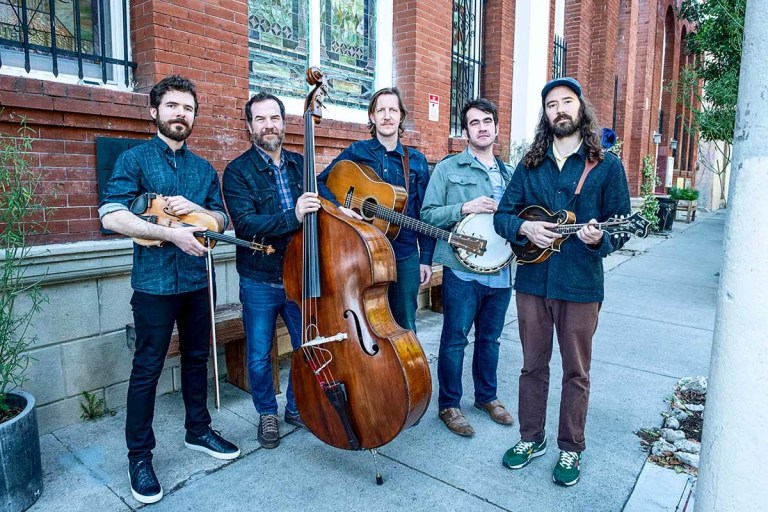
[(471, 182)]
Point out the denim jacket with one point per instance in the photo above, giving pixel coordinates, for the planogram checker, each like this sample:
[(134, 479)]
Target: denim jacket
[(455, 180), (155, 168), (250, 189), (576, 272), (388, 165)]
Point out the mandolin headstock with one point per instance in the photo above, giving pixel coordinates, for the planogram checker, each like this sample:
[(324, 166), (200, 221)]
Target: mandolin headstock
[(635, 224)]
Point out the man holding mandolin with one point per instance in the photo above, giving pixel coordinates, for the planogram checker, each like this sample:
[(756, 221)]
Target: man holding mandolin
[(565, 169), (470, 183), (405, 167), (169, 281)]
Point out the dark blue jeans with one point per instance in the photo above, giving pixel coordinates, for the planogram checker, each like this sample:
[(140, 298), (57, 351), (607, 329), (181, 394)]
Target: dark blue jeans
[(261, 304), (403, 293), (466, 303), (153, 317)]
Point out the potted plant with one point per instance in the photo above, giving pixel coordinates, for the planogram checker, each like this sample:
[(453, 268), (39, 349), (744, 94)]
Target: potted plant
[(21, 476), (650, 206), (686, 200)]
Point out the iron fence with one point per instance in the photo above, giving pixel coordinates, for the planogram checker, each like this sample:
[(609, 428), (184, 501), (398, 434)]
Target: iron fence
[(73, 35)]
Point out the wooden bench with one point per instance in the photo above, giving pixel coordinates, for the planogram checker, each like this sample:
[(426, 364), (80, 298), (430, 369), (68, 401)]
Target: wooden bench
[(230, 335), (435, 286), (688, 208)]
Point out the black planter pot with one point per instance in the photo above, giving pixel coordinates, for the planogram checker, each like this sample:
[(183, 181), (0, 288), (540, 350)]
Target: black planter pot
[(21, 472), (667, 212)]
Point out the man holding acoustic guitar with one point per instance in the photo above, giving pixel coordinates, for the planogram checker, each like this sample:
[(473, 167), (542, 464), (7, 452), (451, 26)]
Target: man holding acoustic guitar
[(560, 291), (394, 164), (470, 183), (169, 281)]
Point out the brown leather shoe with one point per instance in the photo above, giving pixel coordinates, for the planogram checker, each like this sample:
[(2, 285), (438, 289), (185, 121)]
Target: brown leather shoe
[(456, 422), (497, 412)]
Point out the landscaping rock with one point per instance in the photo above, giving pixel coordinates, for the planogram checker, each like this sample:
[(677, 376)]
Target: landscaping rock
[(691, 459), (679, 414), (694, 407), (672, 422), (688, 446), (671, 436), (695, 384), (661, 447)]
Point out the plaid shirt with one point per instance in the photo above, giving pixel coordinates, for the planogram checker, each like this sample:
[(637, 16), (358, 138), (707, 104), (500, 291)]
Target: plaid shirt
[(281, 179), (155, 167)]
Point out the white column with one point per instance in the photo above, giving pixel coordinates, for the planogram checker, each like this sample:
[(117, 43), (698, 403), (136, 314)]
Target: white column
[(532, 53), (734, 447)]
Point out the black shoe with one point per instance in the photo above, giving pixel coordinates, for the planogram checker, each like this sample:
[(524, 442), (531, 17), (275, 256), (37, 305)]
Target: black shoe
[(294, 419), (212, 444), (144, 485), (269, 433)]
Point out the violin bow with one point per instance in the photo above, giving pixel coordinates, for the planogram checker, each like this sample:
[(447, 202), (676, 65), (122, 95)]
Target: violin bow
[(211, 307)]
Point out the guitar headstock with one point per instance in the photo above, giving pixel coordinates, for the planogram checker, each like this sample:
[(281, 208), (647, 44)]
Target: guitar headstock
[(470, 244), (635, 224), (314, 102)]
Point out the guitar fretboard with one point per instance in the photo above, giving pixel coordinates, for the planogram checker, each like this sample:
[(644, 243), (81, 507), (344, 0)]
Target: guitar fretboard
[(400, 219)]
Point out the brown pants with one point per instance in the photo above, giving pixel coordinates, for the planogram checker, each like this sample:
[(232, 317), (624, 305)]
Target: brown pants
[(575, 324)]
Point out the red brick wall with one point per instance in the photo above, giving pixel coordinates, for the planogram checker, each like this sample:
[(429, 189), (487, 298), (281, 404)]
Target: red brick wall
[(497, 78)]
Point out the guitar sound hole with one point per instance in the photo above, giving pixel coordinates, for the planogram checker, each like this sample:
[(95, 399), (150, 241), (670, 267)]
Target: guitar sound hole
[(368, 208)]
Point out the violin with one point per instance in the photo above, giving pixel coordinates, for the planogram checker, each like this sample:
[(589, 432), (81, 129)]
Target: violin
[(154, 209)]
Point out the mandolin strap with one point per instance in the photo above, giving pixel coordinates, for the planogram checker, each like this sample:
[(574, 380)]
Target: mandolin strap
[(587, 168)]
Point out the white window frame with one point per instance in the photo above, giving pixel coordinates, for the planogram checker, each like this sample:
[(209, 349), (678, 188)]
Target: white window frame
[(382, 72), (118, 71)]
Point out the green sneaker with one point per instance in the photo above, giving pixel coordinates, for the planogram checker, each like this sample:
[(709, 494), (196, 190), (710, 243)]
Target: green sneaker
[(521, 454), (568, 468)]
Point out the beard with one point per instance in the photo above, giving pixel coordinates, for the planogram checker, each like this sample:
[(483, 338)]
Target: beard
[(567, 128), (268, 145), (174, 133)]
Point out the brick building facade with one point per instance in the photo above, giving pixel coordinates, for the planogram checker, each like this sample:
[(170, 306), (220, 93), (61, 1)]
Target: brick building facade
[(614, 49)]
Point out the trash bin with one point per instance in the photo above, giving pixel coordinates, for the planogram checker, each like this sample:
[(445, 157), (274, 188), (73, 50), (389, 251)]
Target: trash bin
[(667, 211)]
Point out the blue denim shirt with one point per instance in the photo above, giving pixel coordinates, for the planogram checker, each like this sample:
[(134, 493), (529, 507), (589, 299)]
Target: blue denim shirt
[(388, 165), (576, 272), (155, 167)]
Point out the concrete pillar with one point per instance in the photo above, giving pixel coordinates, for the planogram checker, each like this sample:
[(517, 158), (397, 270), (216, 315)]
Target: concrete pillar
[(734, 448)]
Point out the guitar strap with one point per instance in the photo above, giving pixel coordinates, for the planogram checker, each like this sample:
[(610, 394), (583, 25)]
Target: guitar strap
[(587, 168), (407, 176)]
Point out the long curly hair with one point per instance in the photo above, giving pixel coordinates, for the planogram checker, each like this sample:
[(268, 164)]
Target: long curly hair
[(590, 136)]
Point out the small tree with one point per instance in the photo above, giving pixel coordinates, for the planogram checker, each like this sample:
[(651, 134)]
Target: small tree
[(650, 207), (20, 213), (717, 45)]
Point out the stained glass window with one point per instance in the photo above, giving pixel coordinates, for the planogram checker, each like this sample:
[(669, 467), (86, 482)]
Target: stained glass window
[(280, 44), (278, 54), (348, 49)]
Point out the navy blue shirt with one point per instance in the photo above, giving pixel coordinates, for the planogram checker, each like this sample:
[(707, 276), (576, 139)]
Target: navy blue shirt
[(576, 272), (154, 167), (388, 165)]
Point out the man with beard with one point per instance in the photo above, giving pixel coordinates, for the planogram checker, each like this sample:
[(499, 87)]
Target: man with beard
[(394, 163), (170, 281), (262, 188), (471, 182), (564, 293)]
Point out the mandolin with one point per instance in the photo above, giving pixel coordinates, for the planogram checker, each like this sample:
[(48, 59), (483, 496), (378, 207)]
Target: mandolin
[(634, 224), (357, 186)]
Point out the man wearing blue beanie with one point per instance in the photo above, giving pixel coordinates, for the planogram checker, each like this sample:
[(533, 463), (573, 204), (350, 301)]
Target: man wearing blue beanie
[(565, 168)]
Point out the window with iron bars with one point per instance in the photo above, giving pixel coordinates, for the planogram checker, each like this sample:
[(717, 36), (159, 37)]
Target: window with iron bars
[(559, 54), (79, 40), (466, 57)]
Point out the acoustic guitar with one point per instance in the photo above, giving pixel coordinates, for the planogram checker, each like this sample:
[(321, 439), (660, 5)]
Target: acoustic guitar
[(358, 187), (634, 224)]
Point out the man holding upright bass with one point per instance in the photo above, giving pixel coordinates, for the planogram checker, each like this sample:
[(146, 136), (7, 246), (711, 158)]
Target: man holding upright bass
[(472, 181)]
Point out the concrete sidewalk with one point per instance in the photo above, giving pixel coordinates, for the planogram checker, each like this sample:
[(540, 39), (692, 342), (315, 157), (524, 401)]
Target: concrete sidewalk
[(655, 327)]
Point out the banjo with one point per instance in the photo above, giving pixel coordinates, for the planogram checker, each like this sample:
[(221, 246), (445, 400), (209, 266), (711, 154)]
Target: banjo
[(498, 251)]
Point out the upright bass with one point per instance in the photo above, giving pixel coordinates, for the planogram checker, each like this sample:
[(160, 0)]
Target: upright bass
[(359, 378)]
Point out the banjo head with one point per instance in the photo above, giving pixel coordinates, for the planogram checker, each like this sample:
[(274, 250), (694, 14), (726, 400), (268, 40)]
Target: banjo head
[(498, 251)]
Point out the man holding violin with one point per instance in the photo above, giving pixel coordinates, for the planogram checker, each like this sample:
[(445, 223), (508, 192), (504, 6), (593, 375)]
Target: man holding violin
[(170, 281), (263, 189)]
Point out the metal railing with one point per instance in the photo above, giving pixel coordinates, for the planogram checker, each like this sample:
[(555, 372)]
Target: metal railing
[(66, 38), (467, 59), (559, 54)]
